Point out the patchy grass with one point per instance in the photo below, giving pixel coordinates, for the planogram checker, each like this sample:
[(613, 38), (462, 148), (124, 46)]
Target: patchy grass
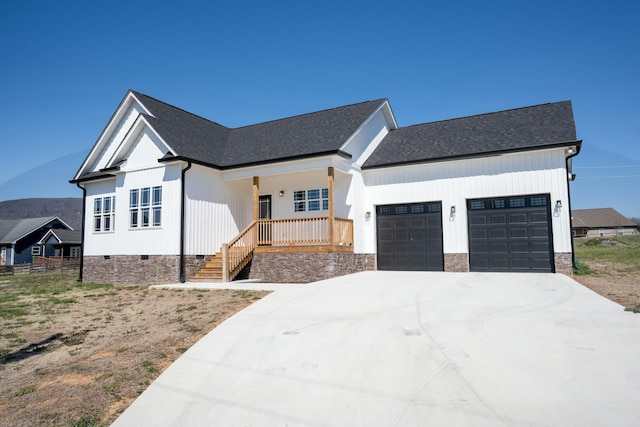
[(78, 354), (621, 251)]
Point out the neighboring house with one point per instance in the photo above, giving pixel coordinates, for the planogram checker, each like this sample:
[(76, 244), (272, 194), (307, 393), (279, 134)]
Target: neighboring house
[(19, 238), (325, 193), (61, 243), (601, 222)]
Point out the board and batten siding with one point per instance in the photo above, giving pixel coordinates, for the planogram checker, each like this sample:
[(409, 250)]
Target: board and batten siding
[(365, 140), (116, 135), (215, 210), (454, 182)]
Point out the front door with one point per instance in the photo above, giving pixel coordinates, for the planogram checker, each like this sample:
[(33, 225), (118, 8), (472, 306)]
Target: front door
[(264, 212)]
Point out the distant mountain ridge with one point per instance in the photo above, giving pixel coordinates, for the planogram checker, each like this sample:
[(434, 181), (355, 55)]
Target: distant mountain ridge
[(68, 209)]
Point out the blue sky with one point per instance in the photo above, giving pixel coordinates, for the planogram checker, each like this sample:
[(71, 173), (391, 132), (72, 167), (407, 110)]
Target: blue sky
[(66, 65)]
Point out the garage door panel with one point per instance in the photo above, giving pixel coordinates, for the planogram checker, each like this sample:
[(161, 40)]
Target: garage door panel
[(498, 233), (498, 219), (538, 217), (518, 218), (477, 220), (510, 234), (519, 233), (415, 240)]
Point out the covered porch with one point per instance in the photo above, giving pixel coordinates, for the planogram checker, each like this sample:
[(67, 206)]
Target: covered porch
[(323, 233)]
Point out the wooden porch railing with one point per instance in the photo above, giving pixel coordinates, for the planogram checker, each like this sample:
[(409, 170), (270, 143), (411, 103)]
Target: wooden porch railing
[(283, 232), (237, 253)]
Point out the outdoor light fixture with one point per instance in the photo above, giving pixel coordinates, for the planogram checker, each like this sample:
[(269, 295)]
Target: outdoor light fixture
[(453, 210), (558, 204), (367, 215), (569, 150), (281, 193)]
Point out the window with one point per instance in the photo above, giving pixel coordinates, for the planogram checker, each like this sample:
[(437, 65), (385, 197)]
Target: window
[(601, 232), (104, 213), (35, 250), (620, 231), (75, 252), (311, 200), (145, 207)]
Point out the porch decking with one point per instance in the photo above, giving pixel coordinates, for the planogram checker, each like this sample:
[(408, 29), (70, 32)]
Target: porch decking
[(319, 234)]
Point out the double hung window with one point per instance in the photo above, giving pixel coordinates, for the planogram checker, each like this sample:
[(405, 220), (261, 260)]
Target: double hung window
[(145, 207), (311, 200), (104, 209)]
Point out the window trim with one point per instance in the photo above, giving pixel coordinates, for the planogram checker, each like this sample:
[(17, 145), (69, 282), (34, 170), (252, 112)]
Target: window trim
[(36, 251), (104, 212), (145, 207), (311, 200)]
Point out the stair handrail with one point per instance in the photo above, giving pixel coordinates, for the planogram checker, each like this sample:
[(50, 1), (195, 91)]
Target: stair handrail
[(232, 259)]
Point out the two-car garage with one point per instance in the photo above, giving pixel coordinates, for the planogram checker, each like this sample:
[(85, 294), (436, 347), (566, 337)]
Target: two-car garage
[(504, 234)]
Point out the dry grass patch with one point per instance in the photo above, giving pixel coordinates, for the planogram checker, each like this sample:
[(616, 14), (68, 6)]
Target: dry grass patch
[(79, 354)]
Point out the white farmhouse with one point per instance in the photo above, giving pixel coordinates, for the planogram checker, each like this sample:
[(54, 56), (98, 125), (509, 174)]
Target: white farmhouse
[(170, 196)]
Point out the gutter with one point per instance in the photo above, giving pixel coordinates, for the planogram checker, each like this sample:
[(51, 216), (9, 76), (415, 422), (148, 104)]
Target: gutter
[(573, 177), (182, 194), (84, 204)]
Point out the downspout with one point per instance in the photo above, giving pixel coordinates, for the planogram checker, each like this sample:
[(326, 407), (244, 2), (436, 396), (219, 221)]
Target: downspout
[(84, 204), (182, 206), (569, 157)]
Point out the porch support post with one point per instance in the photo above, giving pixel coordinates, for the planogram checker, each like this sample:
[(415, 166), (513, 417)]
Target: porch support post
[(330, 176), (256, 197)]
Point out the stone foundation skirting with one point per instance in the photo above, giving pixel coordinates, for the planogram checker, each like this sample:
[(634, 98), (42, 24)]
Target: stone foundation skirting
[(305, 267), (564, 263), (458, 263), (132, 269)]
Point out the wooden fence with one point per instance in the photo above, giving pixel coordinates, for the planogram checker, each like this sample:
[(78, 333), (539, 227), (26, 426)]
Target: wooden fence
[(41, 265)]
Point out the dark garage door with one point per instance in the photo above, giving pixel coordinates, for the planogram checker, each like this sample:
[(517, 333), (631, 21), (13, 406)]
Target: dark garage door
[(510, 234), (410, 237)]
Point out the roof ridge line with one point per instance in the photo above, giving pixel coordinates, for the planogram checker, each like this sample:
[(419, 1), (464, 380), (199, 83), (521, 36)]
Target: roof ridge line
[(177, 108), (486, 114), (311, 112)]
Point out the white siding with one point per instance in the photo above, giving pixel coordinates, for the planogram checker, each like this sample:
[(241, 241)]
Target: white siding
[(367, 138), (115, 137), (215, 211), (99, 243), (454, 182), (163, 240)]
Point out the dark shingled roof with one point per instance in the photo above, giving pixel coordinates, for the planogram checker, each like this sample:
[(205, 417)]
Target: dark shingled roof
[(65, 236), (11, 230), (511, 130), (201, 140), (598, 218)]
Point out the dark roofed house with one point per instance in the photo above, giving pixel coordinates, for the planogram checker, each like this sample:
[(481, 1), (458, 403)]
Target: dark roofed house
[(601, 222), (19, 238), (61, 243), (172, 196)]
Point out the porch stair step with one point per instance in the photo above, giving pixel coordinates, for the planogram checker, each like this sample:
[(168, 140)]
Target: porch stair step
[(211, 271)]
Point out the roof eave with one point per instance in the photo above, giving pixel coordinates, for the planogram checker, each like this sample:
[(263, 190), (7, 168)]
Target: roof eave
[(167, 159), (577, 143)]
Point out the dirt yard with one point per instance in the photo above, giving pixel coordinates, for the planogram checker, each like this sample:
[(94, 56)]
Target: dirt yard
[(80, 357), (610, 280)]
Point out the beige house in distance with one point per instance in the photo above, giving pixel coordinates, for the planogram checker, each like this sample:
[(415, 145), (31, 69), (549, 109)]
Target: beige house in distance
[(601, 222)]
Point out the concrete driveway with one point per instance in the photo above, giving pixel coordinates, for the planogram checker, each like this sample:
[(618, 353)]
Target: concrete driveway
[(409, 349)]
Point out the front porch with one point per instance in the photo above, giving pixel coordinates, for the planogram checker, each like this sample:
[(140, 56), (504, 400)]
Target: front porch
[(291, 235), (321, 234)]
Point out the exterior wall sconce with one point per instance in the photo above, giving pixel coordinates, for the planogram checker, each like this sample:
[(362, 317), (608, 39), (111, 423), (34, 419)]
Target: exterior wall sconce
[(558, 204), (570, 151), (281, 194), (453, 210), (367, 215)]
